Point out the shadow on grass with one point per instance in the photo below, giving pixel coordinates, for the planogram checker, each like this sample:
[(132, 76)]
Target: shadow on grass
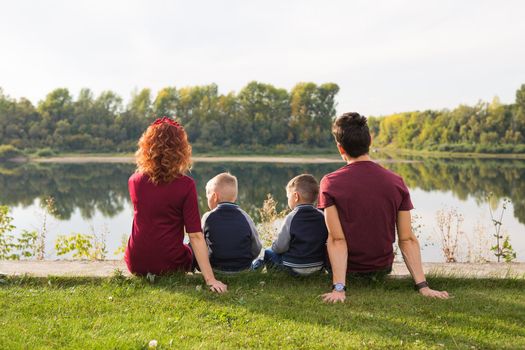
[(486, 313)]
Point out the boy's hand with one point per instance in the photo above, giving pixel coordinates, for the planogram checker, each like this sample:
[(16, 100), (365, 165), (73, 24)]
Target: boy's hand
[(217, 286), (431, 293), (334, 297)]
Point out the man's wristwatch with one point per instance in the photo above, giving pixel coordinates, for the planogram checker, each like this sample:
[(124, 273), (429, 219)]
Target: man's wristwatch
[(339, 287), (421, 285)]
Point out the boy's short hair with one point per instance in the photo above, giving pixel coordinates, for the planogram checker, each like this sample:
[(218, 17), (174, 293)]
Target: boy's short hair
[(225, 185), (351, 132), (306, 185)]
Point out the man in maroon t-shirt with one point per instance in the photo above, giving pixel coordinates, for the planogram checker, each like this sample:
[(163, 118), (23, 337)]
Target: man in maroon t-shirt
[(363, 203)]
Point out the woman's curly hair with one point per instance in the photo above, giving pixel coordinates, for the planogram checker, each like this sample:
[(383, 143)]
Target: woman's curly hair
[(164, 152)]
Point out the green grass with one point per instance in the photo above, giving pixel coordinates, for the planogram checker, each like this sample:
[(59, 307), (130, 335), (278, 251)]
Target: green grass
[(263, 311)]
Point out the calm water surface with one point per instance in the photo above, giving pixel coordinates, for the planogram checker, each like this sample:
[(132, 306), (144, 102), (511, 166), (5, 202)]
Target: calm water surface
[(93, 198)]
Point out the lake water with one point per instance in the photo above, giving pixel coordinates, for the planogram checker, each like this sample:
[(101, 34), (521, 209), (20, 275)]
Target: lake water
[(93, 198)]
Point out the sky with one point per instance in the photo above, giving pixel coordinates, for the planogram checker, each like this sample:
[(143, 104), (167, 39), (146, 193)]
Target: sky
[(386, 56)]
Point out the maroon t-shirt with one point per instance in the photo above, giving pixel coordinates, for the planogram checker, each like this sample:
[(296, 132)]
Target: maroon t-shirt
[(367, 197), (160, 214)]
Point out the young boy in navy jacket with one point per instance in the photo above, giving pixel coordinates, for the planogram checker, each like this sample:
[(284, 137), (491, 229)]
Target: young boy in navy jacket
[(230, 233), (300, 247)]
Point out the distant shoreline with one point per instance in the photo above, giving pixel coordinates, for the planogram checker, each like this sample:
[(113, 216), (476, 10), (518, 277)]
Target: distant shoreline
[(385, 155), (211, 159)]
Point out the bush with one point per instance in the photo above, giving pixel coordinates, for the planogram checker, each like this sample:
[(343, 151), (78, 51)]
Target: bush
[(482, 149), (505, 148), (7, 245), (455, 147), (82, 246), (492, 148), (8, 152), (45, 152), (519, 149)]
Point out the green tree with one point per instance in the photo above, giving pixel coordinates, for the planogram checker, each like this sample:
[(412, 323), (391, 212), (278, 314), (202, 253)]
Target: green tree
[(196, 105), (312, 112), (519, 113), (57, 106), (165, 103), (267, 110)]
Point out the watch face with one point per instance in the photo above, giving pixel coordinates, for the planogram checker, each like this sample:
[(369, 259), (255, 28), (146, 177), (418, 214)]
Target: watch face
[(338, 287)]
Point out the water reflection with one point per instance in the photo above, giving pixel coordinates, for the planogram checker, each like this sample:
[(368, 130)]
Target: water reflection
[(469, 178), (103, 187), (88, 187)]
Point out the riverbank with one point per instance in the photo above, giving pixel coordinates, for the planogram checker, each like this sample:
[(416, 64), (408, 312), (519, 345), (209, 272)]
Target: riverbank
[(381, 155), (197, 159), (107, 268), (211, 159), (435, 154)]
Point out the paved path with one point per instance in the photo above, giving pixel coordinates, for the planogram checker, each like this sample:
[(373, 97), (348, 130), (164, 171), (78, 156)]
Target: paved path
[(108, 267)]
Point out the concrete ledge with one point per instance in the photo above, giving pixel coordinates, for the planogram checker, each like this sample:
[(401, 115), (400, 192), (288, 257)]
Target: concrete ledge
[(107, 268), (466, 270), (74, 268)]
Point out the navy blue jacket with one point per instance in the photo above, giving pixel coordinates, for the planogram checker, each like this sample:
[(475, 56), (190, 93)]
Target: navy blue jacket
[(231, 236), (302, 238)]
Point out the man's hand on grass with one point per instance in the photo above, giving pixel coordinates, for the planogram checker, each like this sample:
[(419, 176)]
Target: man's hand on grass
[(217, 286), (334, 297), (431, 293)]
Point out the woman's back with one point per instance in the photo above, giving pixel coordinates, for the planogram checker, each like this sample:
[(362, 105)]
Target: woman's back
[(160, 213)]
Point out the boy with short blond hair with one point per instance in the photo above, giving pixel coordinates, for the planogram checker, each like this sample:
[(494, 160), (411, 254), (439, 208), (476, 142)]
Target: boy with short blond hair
[(300, 247), (231, 235)]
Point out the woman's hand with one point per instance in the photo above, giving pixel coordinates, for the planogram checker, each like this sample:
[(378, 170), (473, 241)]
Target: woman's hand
[(217, 286), (200, 249)]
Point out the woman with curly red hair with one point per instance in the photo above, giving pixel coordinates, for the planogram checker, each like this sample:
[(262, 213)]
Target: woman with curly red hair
[(165, 203)]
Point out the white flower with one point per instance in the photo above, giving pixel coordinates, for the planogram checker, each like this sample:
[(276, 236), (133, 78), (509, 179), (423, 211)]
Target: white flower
[(150, 277), (152, 344)]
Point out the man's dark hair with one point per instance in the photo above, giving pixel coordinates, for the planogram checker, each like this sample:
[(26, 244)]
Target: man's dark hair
[(351, 132)]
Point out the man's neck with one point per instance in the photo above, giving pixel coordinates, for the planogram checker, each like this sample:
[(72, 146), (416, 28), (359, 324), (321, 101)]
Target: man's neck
[(363, 158)]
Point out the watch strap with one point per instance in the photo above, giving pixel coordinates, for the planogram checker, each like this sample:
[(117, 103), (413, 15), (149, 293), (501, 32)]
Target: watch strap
[(421, 285)]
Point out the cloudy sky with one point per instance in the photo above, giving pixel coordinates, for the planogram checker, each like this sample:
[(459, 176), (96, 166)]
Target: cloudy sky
[(387, 56)]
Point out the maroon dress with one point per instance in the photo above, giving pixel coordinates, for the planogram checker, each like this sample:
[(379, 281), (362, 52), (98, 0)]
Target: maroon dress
[(160, 214)]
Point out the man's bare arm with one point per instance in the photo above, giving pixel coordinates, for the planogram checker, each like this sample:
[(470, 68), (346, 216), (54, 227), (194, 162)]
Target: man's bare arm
[(411, 251), (337, 252)]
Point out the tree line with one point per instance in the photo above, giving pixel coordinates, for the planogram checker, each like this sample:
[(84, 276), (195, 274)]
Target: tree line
[(258, 116), (486, 128)]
